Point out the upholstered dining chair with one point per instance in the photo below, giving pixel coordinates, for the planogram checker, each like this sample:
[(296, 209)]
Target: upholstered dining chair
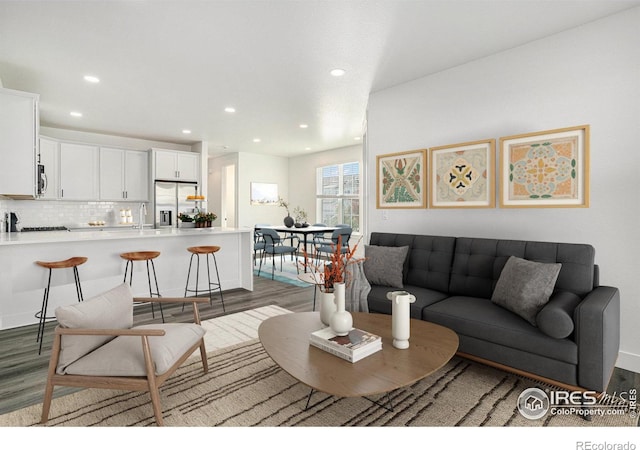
[(320, 238), (273, 247), (341, 235), (258, 243), (96, 345)]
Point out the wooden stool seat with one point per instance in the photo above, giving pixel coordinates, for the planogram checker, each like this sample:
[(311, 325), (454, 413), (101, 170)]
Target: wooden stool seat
[(66, 264), (203, 250), (71, 263), (139, 256)]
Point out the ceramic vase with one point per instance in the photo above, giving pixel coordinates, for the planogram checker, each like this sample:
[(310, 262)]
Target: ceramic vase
[(400, 317), (341, 320), (288, 221), (327, 307)]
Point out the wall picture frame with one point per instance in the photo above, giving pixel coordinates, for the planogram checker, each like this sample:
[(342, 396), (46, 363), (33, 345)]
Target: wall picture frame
[(401, 180), (462, 175), (545, 169), (265, 194)]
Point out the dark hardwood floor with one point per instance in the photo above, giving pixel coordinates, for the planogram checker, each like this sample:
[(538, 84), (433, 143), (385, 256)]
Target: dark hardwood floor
[(23, 371)]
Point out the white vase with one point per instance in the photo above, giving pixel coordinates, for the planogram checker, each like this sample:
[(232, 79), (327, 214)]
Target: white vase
[(341, 320), (400, 317), (327, 307)]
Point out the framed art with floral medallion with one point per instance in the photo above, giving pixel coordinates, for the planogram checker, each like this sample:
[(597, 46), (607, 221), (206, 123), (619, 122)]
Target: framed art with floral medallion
[(401, 180)]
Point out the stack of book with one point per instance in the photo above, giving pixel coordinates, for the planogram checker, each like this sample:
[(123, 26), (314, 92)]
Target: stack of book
[(353, 347)]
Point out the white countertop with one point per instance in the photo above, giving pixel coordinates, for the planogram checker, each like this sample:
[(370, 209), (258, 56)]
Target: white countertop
[(42, 237)]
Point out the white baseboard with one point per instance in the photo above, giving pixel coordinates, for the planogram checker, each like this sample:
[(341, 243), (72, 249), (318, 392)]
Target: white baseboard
[(628, 361)]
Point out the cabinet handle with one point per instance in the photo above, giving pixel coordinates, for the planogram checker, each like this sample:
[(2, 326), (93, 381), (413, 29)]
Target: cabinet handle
[(61, 193)]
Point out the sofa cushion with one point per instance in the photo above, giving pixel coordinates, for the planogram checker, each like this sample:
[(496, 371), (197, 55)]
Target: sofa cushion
[(524, 287), (481, 319), (383, 265), (379, 303), (556, 318), (112, 309), (123, 356)]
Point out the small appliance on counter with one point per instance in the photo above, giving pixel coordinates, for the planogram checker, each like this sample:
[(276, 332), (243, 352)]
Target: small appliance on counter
[(10, 222)]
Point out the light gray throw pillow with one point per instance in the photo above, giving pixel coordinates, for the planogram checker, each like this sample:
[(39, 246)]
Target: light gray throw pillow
[(112, 309), (524, 287), (384, 266)]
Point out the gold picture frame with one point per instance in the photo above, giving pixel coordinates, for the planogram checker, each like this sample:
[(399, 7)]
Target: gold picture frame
[(462, 175), (401, 180), (545, 169)]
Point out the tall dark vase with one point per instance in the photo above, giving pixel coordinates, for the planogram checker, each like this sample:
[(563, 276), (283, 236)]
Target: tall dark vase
[(288, 221)]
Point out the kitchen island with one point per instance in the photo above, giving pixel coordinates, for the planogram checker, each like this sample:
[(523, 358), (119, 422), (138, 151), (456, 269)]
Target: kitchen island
[(22, 282)]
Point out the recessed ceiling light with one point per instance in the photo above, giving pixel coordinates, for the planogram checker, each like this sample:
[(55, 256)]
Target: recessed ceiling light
[(91, 79), (230, 109), (256, 140), (186, 131), (304, 125), (357, 138), (307, 148), (75, 114), (337, 72)]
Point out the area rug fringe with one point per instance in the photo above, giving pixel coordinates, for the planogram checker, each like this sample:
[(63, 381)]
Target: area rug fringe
[(244, 387)]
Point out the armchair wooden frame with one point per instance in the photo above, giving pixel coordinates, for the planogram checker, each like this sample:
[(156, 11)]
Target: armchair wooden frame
[(150, 383)]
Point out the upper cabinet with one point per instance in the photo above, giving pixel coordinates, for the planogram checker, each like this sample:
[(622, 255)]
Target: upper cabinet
[(50, 160), (124, 174), (19, 125), (175, 165), (79, 172)]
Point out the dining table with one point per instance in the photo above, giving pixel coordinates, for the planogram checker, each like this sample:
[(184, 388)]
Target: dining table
[(304, 231)]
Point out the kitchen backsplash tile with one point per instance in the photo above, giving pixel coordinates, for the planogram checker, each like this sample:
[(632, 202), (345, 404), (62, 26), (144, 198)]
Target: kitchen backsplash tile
[(40, 213)]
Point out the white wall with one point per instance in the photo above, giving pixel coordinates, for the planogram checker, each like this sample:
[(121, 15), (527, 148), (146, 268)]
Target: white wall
[(587, 75), (251, 167), (302, 175)]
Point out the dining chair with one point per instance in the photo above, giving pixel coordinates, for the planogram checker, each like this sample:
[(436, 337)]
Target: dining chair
[(341, 235), (274, 246), (258, 243), (320, 238)]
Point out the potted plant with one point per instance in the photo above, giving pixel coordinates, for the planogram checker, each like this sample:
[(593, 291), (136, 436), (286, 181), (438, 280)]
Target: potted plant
[(301, 217), (204, 219), (186, 221), (288, 221)]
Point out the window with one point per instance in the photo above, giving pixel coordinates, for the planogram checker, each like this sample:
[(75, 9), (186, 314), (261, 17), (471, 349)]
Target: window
[(338, 195)]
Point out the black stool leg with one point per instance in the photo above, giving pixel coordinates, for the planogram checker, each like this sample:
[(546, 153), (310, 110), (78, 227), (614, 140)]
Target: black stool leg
[(43, 314), (157, 292), (76, 276), (186, 287), (215, 263)]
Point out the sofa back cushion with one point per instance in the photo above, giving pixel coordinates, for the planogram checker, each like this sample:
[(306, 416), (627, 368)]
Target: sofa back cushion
[(478, 262), (429, 260)]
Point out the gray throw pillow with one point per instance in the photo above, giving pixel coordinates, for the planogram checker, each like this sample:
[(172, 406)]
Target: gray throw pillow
[(383, 266), (524, 287)]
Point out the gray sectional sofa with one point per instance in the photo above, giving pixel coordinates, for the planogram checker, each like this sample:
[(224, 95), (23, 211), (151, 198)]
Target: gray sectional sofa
[(574, 339)]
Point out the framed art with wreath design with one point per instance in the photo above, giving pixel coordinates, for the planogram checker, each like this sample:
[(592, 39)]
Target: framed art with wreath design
[(401, 180), (545, 169), (462, 175)]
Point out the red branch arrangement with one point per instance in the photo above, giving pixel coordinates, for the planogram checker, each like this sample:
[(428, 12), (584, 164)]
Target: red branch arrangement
[(335, 270)]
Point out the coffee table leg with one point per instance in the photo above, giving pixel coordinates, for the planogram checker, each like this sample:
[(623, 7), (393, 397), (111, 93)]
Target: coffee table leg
[(388, 408), (308, 400)]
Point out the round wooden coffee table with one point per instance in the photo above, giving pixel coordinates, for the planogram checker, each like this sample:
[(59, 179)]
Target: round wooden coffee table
[(285, 338)]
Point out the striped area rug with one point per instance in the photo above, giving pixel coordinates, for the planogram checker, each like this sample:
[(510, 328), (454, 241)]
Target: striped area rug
[(245, 388)]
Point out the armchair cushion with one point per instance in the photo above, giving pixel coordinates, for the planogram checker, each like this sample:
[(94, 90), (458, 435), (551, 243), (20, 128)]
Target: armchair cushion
[(123, 356), (112, 309)]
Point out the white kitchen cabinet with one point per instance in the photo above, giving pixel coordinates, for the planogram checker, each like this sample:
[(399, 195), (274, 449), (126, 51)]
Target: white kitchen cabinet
[(79, 172), (176, 165), (124, 174), (50, 159), (19, 127)]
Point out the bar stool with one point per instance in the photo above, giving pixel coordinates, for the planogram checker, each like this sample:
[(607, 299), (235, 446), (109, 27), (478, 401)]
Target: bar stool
[(206, 251), (148, 257), (66, 264)]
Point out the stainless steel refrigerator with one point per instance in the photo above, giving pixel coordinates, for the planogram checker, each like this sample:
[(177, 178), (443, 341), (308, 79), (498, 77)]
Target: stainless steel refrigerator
[(171, 199)]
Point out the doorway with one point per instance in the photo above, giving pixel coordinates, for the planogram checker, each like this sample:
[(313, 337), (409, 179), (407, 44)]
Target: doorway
[(228, 210)]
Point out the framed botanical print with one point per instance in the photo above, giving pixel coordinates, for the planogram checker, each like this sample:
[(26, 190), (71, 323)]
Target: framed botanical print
[(462, 175), (401, 180), (545, 169)]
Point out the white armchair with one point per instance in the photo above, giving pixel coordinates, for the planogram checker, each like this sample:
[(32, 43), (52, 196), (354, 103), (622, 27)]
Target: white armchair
[(96, 345)]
